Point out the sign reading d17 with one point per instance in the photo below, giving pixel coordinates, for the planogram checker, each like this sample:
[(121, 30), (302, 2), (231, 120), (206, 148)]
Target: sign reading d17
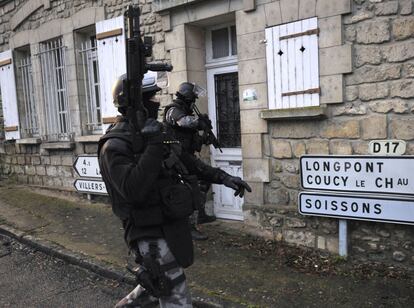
[(87, 166), (369, 174)]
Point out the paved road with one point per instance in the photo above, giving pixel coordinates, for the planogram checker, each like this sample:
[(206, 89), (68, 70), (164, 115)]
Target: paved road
[(33, 279)]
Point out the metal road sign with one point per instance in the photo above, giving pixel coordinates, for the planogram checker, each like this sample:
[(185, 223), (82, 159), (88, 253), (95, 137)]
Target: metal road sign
[(87, 166), (368, 174), (90, 186), (371, 208)]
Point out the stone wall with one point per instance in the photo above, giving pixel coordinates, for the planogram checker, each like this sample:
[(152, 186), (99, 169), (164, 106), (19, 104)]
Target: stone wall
[(378, 104), (35, 163)]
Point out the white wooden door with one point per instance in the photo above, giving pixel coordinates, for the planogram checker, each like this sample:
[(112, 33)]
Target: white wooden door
[(226, 205)]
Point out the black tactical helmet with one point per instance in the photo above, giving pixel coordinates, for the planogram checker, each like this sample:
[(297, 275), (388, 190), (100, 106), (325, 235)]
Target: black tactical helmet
[(189, 92), (149, 88)]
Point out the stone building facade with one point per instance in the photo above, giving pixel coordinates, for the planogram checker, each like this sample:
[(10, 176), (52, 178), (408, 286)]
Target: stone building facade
[(362, 89)]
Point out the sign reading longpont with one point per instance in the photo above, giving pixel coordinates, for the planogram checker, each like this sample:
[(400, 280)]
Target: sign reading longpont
[(369, 174), (395, 210)]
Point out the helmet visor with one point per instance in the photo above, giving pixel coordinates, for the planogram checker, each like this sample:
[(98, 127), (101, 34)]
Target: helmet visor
[(199, 91), (158, 79)]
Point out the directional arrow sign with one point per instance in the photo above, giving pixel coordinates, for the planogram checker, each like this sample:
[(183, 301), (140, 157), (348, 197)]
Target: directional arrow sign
[(90, 186), (87, 166)]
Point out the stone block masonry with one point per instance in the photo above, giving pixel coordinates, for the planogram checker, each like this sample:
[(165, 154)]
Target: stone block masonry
[(377, 101), (32, 163)]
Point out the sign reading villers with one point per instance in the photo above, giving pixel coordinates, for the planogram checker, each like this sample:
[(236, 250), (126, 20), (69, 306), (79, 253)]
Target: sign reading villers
[(366, 174)]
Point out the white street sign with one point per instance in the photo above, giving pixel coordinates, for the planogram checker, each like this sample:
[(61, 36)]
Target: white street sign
[(90, 186), (368, 174), (87, 166), (371, 208), (387, 147)]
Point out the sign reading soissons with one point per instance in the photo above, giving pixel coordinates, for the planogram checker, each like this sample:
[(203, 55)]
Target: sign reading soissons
[(392, 210)]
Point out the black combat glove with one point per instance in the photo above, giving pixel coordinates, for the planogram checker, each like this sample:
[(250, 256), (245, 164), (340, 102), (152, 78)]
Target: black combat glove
[(152, 131), (204, 123), (237, 184)]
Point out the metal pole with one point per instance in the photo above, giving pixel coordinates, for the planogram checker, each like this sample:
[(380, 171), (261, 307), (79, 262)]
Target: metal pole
[(343, 238), (89, 197)]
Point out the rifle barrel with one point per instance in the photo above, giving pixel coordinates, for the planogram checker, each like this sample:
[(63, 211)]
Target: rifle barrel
[(159, 67)]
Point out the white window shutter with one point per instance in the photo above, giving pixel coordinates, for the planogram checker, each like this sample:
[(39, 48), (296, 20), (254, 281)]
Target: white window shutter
[(9, 97), (293, 65), (110, 35)]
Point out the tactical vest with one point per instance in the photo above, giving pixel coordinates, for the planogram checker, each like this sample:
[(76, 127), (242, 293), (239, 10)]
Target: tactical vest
[(190, 139), (173, 190)]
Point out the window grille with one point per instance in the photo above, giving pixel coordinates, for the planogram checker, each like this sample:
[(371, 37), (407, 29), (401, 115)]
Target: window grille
[(228, 110), (30, 128), (53, 67), (90, 72)]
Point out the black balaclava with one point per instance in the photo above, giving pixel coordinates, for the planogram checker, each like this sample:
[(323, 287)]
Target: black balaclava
[(150, 104)]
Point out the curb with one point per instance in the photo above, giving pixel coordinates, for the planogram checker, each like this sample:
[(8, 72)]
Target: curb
[(55, 250), (102, 269)]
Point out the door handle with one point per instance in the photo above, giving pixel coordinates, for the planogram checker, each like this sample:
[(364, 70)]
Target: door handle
[(235, 163)]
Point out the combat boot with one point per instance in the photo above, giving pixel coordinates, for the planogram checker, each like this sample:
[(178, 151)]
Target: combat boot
[(197, 235), (203, 218)]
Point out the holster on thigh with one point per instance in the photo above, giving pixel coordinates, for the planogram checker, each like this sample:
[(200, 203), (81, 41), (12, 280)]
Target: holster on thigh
[(152, 275)]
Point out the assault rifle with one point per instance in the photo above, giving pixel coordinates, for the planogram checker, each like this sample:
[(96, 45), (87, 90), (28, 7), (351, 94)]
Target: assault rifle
[(137, 50), (209, 137)]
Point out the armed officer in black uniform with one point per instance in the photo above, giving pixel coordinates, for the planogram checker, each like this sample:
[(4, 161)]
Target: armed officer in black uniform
[(150, 183), (185, 125)]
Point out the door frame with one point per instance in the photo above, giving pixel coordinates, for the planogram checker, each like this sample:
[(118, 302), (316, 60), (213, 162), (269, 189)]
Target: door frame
[(234, 154), (229, 155)]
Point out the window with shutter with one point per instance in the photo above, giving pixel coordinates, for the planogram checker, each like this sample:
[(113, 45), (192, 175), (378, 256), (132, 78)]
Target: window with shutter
[(9, 98), (292, 64), (111, 62)]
